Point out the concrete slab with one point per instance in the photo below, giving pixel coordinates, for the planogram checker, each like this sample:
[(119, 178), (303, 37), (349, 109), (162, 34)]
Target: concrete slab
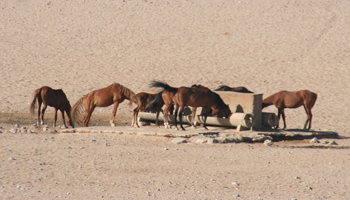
[(227, 135)]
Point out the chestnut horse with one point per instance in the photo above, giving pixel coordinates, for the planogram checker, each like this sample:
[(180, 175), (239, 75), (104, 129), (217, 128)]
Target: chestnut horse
[(113, 94), (197, 96), (287, 99), (53, 98), (141, 100), (234, 89)]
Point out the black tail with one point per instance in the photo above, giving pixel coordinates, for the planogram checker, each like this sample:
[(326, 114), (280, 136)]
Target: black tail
[(156, 103), (163, 85)]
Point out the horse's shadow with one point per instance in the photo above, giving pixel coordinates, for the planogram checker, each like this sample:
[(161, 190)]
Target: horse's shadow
[(300, 134)]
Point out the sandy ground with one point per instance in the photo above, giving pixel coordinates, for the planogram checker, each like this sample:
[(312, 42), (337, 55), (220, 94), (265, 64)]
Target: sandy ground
[(80, 46)]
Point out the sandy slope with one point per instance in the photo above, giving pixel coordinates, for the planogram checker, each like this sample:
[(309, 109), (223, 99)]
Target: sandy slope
[(266, 46)]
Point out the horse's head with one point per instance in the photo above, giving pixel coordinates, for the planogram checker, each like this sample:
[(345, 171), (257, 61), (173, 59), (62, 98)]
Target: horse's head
[(222, 112), (69, 118), (226, 111)]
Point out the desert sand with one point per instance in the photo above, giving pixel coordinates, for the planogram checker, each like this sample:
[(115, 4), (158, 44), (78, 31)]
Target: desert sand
[(81, 46)]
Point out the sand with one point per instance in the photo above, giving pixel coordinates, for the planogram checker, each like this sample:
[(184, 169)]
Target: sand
[(81, 46)]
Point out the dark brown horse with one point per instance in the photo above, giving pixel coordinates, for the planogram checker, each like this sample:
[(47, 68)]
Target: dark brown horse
[(195, 97), (141, 100), (53, 98), (234, 89), (286, 99), (162, 98), (113, 94)]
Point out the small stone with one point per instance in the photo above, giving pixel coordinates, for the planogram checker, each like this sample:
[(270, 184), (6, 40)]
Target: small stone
[(13, 130), (235, 183), (17, 125), (166, 149), (333, 143), (92, 140), (11, 158), (178, 140), (314, 140), (268, 142)]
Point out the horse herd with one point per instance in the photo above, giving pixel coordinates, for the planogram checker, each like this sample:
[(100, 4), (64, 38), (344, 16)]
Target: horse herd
[(170, 98)]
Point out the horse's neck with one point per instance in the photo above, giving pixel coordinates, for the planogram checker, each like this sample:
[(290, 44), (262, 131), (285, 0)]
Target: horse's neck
[(268, 101)]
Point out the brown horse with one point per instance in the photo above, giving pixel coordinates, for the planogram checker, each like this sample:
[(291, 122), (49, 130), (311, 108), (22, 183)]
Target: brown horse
[(113, 94), (234, 89), (162, 98), (286, 99), (141, 100), (53, 98), (195, 97)]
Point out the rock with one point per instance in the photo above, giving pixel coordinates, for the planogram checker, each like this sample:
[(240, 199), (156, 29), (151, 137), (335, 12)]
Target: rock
[(333, 143), (178, 140), (239, 138), (314, 140), (16, 125), (13, 130), (221, 140), (92, 140), (268, 142), (212, 141), (198, 139)]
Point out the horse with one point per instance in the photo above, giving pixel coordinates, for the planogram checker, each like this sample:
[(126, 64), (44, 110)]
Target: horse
[(195, 97), (162, 98), (141, 100), (240, 89), (52, 98), (112, 94), (292, 99)]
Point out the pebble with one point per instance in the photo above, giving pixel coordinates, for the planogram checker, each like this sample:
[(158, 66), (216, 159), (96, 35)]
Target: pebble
[(92, 140), (314, 140), (268, 142), (178, 140)]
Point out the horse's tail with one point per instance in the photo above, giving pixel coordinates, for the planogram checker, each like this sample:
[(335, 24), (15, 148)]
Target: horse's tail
[(313, 99), (36, 95), (77, 111), (156, 103), (163, 85)]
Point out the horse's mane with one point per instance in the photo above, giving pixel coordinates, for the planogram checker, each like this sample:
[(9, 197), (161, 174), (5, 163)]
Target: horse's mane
[(127, 92)]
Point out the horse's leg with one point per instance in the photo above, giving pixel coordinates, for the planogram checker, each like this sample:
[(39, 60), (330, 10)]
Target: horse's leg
[(42, 113), (113, 114), (136, 116), (63, 119), (180, 116), (279, 117), (194, 119), (284, 119), (157, 116), (39, 109), (165, 113), (175, 114), (133, 117), (55, 119), (205, 118), (309, 117), (87, 116)]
